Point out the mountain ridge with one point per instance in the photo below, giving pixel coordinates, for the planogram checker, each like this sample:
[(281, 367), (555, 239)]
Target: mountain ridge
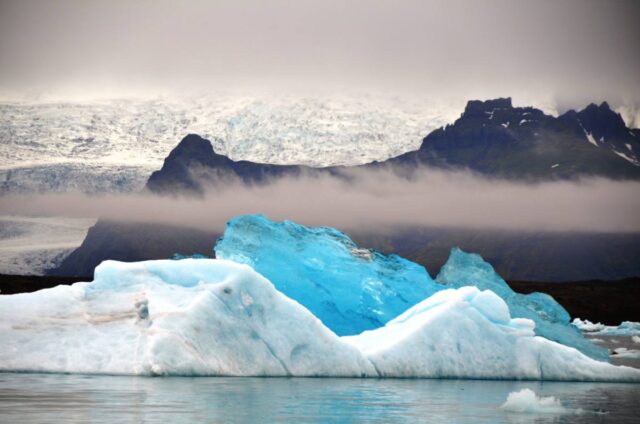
[(491, 137)]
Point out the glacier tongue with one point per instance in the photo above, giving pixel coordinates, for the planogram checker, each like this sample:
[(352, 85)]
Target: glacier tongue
[(217, 317), (350, 289)]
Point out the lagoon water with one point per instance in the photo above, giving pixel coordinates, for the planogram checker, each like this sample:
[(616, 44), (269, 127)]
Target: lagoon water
[(31, 398)]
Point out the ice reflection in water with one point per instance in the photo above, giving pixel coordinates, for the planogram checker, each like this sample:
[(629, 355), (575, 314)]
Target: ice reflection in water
[(78, 398)]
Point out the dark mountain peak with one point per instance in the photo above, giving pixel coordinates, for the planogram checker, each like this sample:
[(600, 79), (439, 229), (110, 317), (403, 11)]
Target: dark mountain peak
[(601, 108), (192, 145), (193, 165), (602, 121), (195, 149), (479, 107), (180, 170)]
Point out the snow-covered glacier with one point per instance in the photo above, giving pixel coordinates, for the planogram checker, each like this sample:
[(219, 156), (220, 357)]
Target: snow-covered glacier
[(114, 145), (218, 317), (353, 289)]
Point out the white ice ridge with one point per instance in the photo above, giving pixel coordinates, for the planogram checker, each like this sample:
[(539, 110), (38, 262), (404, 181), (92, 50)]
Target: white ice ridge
[(217, 317), (626, 328)]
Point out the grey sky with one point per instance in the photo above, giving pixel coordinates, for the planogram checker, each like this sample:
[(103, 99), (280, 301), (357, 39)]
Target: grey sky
[(574, 50)]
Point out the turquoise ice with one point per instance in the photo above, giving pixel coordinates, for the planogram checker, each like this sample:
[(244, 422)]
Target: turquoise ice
[(351, 289)]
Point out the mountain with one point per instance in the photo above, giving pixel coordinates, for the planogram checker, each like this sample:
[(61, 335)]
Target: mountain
[(129, 242), (491, 137), (194, 162), (496, 139)]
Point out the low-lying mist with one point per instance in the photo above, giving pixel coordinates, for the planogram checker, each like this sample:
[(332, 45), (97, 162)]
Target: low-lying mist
[(371, 199)]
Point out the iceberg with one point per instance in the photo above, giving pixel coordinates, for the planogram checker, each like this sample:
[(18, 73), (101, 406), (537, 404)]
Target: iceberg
[(352, 289), (528, 402), (552, 320), (349, 288), (217, 317)]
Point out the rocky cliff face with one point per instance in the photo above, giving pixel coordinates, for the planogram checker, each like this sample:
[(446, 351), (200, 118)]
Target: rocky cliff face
[(499, 140)]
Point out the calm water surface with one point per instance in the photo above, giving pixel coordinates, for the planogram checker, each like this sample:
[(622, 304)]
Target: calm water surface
[(26, 398)]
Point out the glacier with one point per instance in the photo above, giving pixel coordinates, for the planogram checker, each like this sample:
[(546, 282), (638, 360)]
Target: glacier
[(112, 145), (217, 317), (352, 289), (348, 288)]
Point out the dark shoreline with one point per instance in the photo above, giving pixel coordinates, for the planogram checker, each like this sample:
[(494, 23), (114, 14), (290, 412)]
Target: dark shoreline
[(608, 302)]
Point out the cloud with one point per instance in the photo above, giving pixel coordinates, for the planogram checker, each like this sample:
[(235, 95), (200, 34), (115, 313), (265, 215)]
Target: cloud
[(372, 199), (573, 48)]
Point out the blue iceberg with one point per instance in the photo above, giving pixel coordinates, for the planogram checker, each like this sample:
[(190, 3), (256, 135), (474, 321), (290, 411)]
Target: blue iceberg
[(352, 289), (216, 317), (349, 288), (219, 317)]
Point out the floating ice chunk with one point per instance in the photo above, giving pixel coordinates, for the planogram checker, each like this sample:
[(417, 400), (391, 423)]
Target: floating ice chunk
[(528, 402), (552, 320), (555, 165), (187, 317), (623, 352), (349, 288), (635, 339), (626, 328), (587, 326)]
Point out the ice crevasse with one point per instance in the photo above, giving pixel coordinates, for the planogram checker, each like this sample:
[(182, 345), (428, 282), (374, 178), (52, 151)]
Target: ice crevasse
[(218, 317)]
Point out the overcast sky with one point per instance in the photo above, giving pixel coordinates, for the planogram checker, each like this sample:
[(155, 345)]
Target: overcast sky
[(573, 50)]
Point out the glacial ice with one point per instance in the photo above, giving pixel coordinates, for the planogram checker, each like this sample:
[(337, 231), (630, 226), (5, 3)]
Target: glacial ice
[(528, 402), (552, 320), (187, 317), (217, 317), (353, 289), (349, 288), (626, 328), (469, 333)]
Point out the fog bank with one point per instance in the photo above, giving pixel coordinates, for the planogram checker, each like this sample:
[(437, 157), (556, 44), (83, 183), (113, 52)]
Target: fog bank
[(371, 199)]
